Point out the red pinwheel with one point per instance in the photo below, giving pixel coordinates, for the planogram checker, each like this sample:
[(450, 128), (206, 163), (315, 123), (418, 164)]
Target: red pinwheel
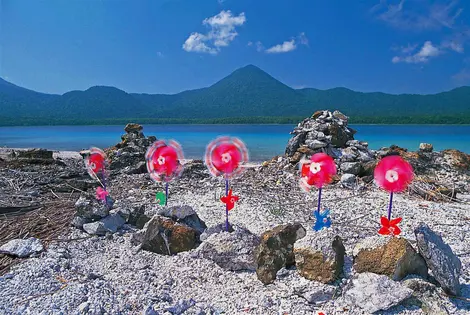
[(163, 160), (318, 171), (389, 227), (393, 173), (229, 200), (225, 156)]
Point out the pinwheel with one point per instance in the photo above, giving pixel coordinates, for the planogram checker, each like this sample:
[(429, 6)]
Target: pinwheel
[(95, 164), (393, 174), (318, 172), (225, 156), (164, 164)]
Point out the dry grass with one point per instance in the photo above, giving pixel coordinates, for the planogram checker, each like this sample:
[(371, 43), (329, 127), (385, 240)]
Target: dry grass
[(45, 223)]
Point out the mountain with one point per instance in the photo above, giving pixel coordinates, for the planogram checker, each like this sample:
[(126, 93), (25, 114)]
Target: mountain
[(247, 95)]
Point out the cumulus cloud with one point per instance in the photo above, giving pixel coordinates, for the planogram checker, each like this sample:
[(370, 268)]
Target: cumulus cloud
[(423, 55), (286, 46), (282, 48), (222, 31)]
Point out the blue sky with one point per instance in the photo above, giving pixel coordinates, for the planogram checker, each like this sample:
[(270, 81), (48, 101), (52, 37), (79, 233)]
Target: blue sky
[(167, 46)]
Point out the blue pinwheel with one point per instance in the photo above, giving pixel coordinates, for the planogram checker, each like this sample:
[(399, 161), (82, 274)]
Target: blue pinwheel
[(322, 219)]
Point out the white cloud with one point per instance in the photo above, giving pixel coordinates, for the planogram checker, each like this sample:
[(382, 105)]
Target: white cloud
[(222, 32), (259, 46), (286, 46), (423, 55), (160, 54), (418, 15), (282, 48)]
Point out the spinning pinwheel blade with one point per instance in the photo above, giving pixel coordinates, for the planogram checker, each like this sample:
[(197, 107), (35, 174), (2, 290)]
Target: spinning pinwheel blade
[(225, 156), (164, 163)]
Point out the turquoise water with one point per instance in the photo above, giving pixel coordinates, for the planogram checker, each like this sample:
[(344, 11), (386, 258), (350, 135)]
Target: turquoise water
[(263, 141)]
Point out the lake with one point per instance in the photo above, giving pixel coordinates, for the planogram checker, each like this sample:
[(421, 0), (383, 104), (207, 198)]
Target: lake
[(263, 141)]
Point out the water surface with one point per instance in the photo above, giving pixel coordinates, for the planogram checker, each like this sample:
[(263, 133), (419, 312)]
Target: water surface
[(263, 141)]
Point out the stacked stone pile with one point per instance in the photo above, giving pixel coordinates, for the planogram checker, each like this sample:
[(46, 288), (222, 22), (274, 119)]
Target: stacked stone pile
[(128, 156)]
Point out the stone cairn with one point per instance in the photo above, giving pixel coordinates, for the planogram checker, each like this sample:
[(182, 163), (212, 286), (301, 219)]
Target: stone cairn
[(128, 156), (329, 133)]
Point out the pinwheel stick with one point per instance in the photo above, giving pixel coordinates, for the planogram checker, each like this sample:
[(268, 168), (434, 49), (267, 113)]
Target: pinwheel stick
[(390, 206), (319, 200), (166, 193), (226, 206)]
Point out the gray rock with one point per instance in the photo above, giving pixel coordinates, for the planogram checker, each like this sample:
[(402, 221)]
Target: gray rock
[(90, 208), (349, 155), (294, 143), (231, 250), (351, 168), (129, 211), (315, 144), (445, 265), (181, 306), (22, 247), (373, 293), (348, 181), (109, 224)]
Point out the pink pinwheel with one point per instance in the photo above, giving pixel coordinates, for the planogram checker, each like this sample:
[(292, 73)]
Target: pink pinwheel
[(101, 194), (393, 174), (96, 164), (164, 162), (224, 156), (318, 171)]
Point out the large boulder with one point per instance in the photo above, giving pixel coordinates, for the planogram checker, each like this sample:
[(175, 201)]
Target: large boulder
[(231, 250), (390, 256), (276, 250), (320, 256), (445, 265), (185, 215), (164, 236)]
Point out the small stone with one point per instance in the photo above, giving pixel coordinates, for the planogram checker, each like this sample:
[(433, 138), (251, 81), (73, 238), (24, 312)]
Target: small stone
[(372, 292), (315, 144), (22, 247), (83, 308), (445, 265), (390, 256)]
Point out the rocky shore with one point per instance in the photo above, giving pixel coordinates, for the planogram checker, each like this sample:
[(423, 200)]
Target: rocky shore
[(63, 252)]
